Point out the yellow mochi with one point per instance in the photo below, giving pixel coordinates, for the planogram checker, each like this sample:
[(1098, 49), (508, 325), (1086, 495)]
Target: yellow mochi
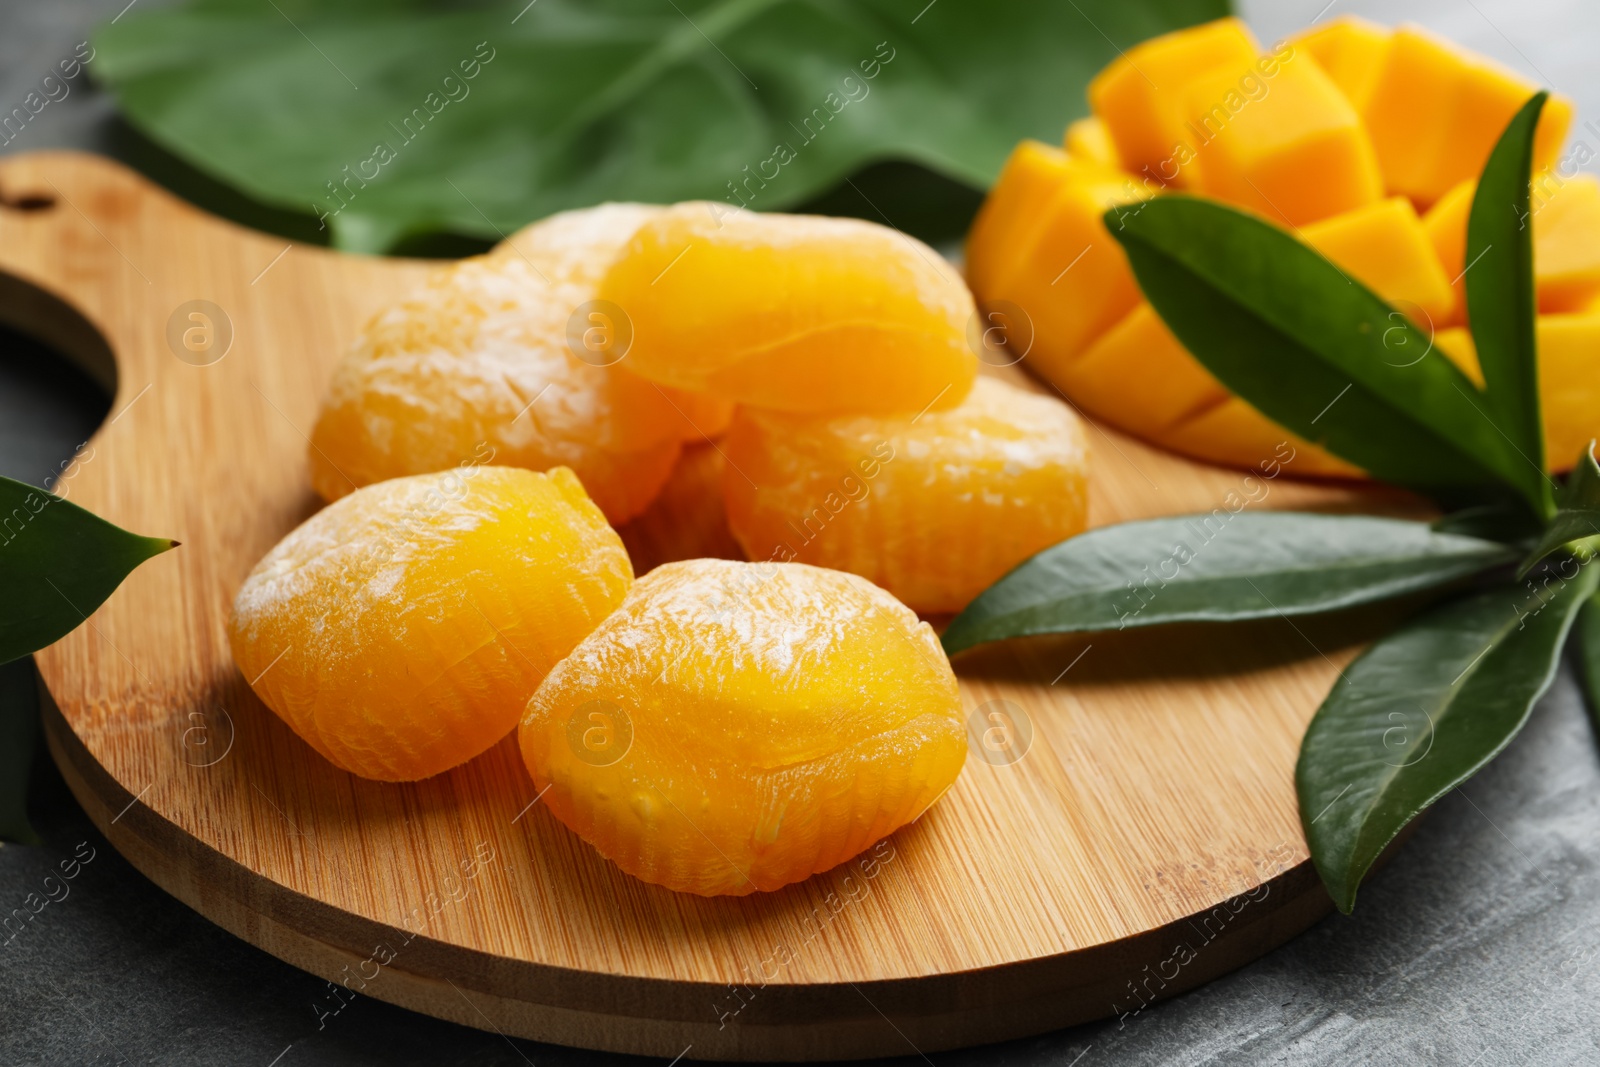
[(934, 508), (736, 727), (400, 630), (793, 312)]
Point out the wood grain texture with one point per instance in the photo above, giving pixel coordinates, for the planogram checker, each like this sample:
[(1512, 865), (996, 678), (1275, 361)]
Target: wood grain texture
[(1146, 841)]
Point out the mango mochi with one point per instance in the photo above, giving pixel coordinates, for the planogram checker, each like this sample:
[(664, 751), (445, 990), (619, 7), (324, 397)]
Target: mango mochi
[(480, 365), (401, 630), (792, 312), (736, 727), (1273, 140), (934, 508)]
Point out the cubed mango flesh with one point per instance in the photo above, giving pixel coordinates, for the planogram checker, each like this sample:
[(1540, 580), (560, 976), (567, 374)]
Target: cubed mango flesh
[(1139, 377), (1088, 141), (1566, 239), (1235, 434), (1436, 111), (1385, 247), (1041, 243), (1290, 147), (1351, 50), (1139, 95), (1569, 380)]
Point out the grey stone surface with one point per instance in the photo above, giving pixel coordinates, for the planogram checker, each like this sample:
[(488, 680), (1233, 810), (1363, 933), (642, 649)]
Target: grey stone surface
[(1478, 945)]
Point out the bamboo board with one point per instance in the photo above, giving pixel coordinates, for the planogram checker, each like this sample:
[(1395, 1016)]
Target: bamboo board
[(1138, 837)]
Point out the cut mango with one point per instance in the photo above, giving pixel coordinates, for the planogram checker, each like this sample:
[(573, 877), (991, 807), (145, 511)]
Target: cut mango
[(1139, 377), (793, 312), (1010, 216), (1290, 147), (1436, 111), (1235, 434), (1087, 140), (1385, 247), (1053, 256), (1569, 380), (934, 508), (1139, 96), (1351, 50), (1566, 239)]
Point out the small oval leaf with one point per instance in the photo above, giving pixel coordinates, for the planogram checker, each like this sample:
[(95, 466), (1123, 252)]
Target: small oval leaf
[(1500, 297), (1222, 567), (1421, 711), (58, 563)]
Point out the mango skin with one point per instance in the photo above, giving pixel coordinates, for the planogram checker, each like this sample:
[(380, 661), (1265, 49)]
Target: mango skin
[(793, 313)]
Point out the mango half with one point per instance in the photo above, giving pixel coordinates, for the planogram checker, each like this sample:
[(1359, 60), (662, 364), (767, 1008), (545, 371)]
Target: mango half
[(1310, 135)]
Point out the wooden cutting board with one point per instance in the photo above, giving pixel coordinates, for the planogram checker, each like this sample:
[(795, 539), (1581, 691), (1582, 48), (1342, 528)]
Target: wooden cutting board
[(1125, 829)]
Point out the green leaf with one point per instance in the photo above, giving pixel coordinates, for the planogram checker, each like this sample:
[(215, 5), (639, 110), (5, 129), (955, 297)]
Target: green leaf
[(1507, 521), (1313, 349), (1421, 711), (1500, 297), (1586, 645), (58, 563), (579, 101), (19, 731), (1578, 517), (1222, 567)]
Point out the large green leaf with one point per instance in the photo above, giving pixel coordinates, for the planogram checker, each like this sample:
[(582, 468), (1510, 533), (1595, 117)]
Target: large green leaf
[(578, 101), (1312, 348), (1578, 517), (1421, 711), (1500, 297), (1586, 645), (58, 563), (1222, 567)]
